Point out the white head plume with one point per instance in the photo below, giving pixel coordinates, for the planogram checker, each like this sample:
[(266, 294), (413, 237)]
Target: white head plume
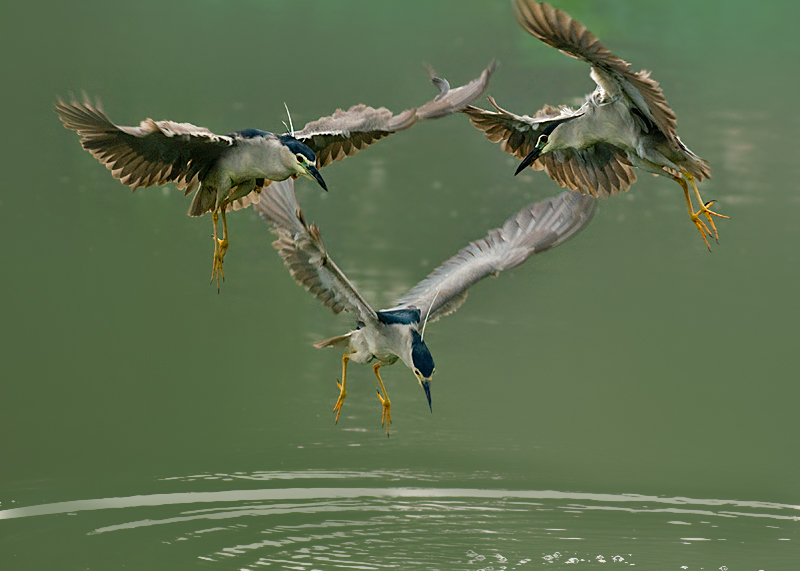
[(427, 315), (291, 125)]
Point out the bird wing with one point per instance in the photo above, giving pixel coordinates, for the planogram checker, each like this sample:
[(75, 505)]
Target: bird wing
[(614, 75), (301, 248), (155, 152), (454, 100), (344, 133), (599, 170), (532, 230)]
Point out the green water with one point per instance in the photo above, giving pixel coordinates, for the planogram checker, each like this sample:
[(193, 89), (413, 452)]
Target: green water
[(627, 396)]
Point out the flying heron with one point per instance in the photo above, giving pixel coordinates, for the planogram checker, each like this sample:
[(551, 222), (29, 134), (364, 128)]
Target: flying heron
[(229, 171), (398, 333), (625, 122)]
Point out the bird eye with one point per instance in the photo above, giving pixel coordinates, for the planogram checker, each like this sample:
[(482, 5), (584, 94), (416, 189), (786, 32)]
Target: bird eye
[(300, 158), (416, 372), (543, 139)]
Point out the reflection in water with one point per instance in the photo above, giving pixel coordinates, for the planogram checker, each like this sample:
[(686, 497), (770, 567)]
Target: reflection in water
[(423, 527)]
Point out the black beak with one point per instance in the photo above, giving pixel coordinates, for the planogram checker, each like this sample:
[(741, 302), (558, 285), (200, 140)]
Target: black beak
[(312, 170), (527, 161), (426, 385), (534, 154)]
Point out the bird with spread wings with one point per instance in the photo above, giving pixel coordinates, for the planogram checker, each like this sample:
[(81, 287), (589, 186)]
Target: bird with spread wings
[(384, 336), (626, 122), (227, 172)]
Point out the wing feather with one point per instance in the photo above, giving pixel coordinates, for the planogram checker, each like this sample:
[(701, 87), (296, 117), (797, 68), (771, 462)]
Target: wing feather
[(451, 101), (345, 133), (155, 152), (532, 230), (303, 252), (575, 169), (614, 75)]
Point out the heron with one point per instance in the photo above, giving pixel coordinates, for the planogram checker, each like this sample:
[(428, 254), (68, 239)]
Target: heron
[(626, 122), (227, 172), (398, 333)]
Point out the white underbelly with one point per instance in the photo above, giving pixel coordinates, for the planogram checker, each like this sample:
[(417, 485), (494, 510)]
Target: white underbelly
[(257, 159), (611, 123)]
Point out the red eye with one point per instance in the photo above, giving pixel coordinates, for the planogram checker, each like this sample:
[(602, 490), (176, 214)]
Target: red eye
[(543, 139)]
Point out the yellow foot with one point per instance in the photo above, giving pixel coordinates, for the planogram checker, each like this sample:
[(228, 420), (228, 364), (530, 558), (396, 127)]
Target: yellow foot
[(223, 247), (387, 412), (220, 246), (340, 401), (708, 213), (701, 226), (703, 209)]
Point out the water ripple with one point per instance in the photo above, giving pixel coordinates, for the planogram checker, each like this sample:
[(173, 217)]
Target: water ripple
[(407, 527)]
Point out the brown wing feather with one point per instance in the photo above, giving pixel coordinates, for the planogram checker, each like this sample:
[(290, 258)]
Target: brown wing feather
[(600, 171), (451, 101), (344, 133), (585, 170), (300, 246), (517, 134), (155, 152), (248, 199), (557, 29)]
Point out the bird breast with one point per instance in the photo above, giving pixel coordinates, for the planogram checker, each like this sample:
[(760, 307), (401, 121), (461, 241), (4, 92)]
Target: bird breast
[(358, 348), (259, 157), (610, 123), (387, 342)]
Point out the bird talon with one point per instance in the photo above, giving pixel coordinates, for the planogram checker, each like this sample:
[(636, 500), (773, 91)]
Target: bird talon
[(701, 226), (338, 406), (708, 213), (217, 271), (386, 417), (703, 229)]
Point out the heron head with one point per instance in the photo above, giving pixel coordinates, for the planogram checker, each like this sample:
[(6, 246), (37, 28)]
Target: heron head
[(422, 364), (302, 159), (548, 141)]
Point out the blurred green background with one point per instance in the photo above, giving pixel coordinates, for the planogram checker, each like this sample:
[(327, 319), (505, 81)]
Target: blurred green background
[(630, 360)]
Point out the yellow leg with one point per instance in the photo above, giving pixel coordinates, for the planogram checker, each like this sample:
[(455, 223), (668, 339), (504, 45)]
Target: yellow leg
[(220, 246), (342, 388), (216, 269), (387, 405), (703, 206), (695, 219), (223, 245)]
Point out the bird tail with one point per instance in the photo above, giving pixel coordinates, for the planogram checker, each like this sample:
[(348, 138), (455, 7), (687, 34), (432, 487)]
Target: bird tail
[(203, 201), (340, 341)]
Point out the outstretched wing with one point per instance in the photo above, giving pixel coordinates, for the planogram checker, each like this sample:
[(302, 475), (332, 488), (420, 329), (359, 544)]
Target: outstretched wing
[(599, 170), (344, 133), (454, 100), (300, 245), (155, 152), (532, 230), (614, 75)]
